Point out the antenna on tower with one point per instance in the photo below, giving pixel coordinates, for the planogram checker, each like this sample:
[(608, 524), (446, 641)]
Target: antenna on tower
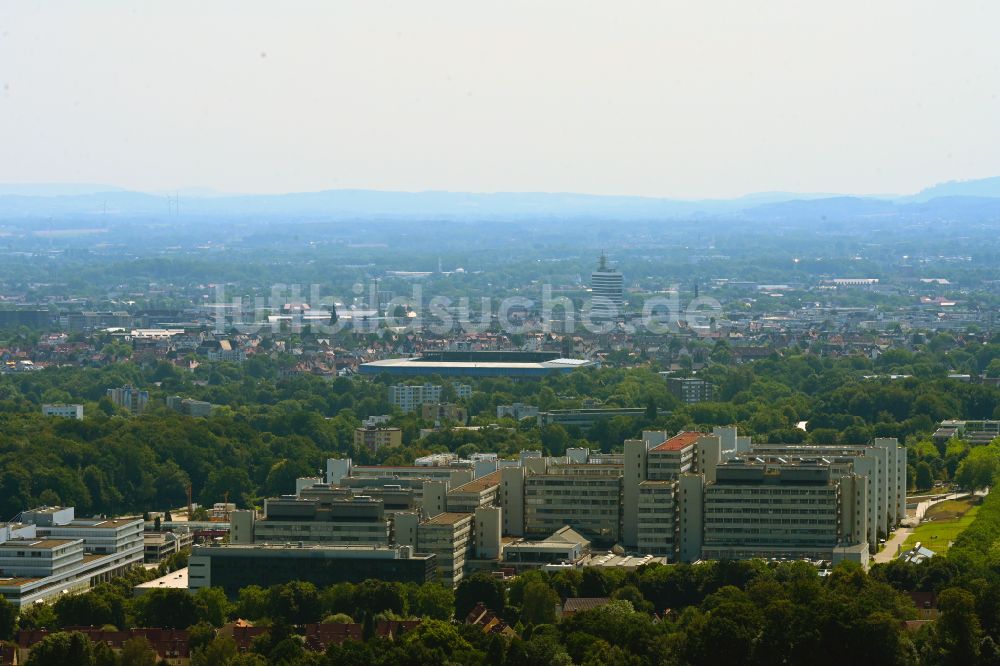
[(604, 261)]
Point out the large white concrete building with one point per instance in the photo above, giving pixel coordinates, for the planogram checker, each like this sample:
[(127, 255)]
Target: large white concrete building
[(51, 552), (788, 510), (683, 497)]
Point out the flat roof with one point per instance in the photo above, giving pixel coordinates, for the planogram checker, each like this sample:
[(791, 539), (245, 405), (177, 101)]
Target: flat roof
[(418, 363), (678, 442), (36, 543), (419, 366), (496, 356), (480, 484), (447, 518), (49, 509), (174, 580), (17, 581), (86, 523)]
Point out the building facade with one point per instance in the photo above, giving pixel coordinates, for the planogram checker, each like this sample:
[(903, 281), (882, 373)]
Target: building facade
[(63, 411), (607, 287), (690, 390), (235, 566), (373, 438), (129, 398)]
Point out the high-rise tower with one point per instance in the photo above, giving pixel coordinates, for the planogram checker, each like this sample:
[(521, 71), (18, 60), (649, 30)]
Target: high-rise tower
[(607, 286)]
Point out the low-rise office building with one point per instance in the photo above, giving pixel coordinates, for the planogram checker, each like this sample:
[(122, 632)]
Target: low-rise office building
[(974, 432), (52, 553), (584, 418), (189, 407), (517, 411), (409, 398), (564, 546), (119, 537), (63, 411), (235, 566), (158, 546), (337, 469), (346, 520)]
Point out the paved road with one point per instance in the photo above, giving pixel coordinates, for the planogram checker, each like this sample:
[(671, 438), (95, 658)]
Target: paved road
[(891, 549)]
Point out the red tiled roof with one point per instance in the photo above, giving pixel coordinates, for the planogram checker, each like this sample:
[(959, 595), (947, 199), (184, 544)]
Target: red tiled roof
[(166, 642), (243, 636), (395, 628), (320, 636), (679, 441)]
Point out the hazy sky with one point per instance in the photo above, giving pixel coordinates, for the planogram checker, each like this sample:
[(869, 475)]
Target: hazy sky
[(681, 99)]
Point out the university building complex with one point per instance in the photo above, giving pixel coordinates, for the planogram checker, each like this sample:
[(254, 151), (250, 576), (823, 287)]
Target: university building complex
[(680, 498)]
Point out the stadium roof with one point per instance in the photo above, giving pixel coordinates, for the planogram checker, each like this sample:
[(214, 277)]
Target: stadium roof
[(485, 365)]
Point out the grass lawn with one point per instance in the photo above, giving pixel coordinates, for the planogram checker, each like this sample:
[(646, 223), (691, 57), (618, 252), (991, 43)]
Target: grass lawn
[(942, 525)]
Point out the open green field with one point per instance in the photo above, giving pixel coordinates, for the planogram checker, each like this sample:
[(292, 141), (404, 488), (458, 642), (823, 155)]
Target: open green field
[(942, 525)]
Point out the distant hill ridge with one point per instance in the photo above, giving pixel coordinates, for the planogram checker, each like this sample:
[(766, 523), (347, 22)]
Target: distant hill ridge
[(36, 200)]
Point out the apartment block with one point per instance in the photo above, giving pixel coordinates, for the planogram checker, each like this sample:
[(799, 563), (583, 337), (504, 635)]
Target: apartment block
[(373, 438), (439, 412), (690, 390), (130, 398), (517, 411), (409, 398)]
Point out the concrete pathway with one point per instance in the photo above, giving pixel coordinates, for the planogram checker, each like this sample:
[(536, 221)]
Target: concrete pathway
[(891, 549)]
